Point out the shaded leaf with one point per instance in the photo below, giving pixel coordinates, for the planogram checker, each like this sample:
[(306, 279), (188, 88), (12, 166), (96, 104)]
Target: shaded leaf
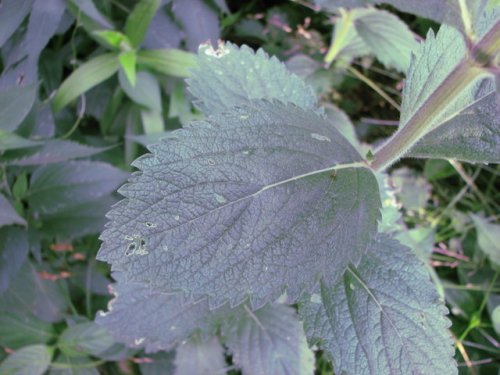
[(383, 317), (200, 22), (12, 141), (488, 238), (85, 77), (269, 341), (17, 331), (13, 253), (163, 32), (197, 357), (88, 9), (233, 76), (12, 14), (253, 191), (52, 151), (84, 338), (138, 21), (8, 214), (73, 366), (172, 62), (15, 104), (32, 360), (145, 92), (57, 186), (162, 363)]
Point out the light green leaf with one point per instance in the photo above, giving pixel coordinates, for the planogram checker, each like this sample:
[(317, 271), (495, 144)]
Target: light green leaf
[(198, 357), (388, 38), (171, 62), (12, 141), (17, 331), (138, 21), (495, 317), (85, 77), (128, 61), (269, 341), (233, 76), (85, 338), (112, 38), (152, 121), (384, 317), (488, 237), (32, 360), (146, 91), (15, 104)]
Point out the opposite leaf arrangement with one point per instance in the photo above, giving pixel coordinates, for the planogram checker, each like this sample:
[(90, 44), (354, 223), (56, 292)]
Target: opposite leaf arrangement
[(265, 204)]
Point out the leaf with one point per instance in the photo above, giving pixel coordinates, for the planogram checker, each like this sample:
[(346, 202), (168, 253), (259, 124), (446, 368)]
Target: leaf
[(467, 127), (152, 122), (57, 186), (253, 190), (12, 141), (412, 190), (17, 331), (77, 220), (200, 358), (139, 19), (383, 317), (85, 77), (12, 14), (52, 151), (146, 91), (113, 39), (13, 253), (32, 360), (389, 39), (162, 363), (171, 62), (29, 293), (488, 238), (85, 338), (73, 366), (15, 104), (232, 76), (270, 341), (200, 22), (141, 317), (87, 8), (128, 64), (163, 32), (8, 215)]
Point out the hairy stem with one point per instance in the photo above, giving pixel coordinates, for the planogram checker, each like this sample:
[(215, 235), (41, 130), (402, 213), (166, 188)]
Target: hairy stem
[(466, 72)]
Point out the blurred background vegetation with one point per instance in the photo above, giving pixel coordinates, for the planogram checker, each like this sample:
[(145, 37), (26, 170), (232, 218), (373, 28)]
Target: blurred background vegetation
[(86, 85)]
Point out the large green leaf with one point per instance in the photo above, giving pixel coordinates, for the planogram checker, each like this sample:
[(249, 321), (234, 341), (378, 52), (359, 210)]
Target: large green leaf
[(269, 341), (256, 193), (32, 360), (233, 76), (383, 317), (85, 77)]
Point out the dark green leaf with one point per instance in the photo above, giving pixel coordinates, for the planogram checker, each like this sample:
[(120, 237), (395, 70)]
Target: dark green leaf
[(66, 365), (12, 14), (138, 21), (87, 9), (17, 331), (267, 168), (8, 214), (58, 186), (383, 317), (85, 77), (84, 338), (13, 252), (32, 360), (15, 104)]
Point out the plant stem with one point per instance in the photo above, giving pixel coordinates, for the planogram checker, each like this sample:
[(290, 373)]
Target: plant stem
[(466, 72)]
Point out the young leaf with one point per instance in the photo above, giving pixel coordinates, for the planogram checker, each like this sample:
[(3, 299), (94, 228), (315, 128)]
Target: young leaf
[(84, 338), (488, 238), (160, 320), (112, 38), (145, 92), (383, 317), (13, 252), (8, 214), (256, 192), (85, 77), (171, 62), (56, 186), (197, 357), (269, 341), (128, 61), (33, 360), (138, 21), (231, 76), (387, 36), (15, 104)]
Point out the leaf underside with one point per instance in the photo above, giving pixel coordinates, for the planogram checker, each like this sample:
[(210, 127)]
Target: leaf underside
[(242, 205), (383, 317)]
